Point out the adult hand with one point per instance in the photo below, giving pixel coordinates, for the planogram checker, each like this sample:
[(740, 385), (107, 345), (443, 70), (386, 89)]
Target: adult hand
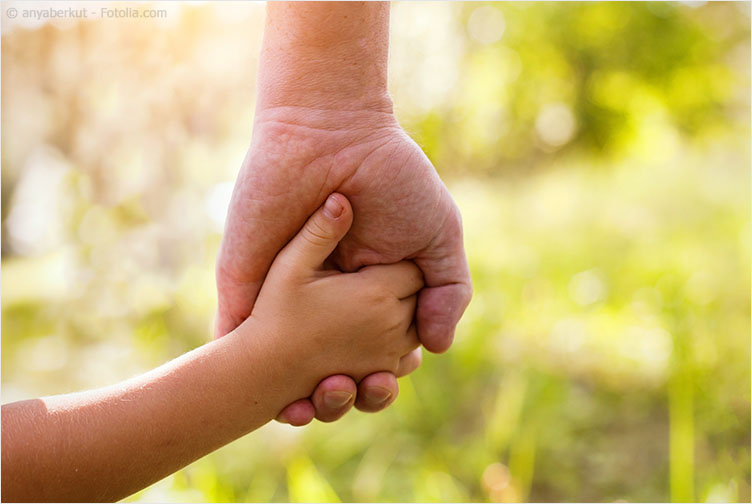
[(324, 123), (402, 210)]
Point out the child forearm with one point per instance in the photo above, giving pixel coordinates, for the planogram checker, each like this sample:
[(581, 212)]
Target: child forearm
[(308, 323), (105, 444)]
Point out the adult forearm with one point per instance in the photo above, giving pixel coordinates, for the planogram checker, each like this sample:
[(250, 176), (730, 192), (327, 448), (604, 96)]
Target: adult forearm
[(105, 444), (325, 55)]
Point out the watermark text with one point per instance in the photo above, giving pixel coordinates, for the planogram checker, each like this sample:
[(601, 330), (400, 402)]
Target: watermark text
[(84, 13)]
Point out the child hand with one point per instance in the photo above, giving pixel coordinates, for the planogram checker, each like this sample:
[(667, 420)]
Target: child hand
[(324, 322)]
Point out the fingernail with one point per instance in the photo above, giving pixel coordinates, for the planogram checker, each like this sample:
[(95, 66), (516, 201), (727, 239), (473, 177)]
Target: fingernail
[(333, 208), (337, 399), (378, 395)]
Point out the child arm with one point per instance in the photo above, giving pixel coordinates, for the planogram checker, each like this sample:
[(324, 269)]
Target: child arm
[(308, 323), (102, 445)]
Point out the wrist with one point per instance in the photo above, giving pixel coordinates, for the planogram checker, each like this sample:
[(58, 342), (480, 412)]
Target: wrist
[(319, 90), (325, 55), (334, 80), (269, 358)]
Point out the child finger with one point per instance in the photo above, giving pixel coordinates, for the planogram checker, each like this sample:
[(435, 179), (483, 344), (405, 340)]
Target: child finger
[(409, 363), (402, 279), (410, 341), (319, 236), (407, 310)]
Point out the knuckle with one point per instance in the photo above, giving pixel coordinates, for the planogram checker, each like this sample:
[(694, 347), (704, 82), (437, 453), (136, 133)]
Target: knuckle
[(316, 235), (378, 296), (418, 277), (398, 319)]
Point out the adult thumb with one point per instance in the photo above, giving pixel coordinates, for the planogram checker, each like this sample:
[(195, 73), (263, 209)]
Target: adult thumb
[(320, 234)]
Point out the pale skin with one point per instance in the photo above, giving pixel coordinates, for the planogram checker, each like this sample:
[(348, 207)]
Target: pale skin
[(105, 444), (324, 122)]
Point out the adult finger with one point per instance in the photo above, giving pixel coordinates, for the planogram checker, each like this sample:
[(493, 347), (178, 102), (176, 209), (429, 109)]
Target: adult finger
[(334, 397), (448, 287), (376, 391), (301, 412), (439, 310), (403, 279)]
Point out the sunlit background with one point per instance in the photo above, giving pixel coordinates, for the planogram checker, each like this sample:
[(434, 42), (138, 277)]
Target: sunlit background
[(600, 154)]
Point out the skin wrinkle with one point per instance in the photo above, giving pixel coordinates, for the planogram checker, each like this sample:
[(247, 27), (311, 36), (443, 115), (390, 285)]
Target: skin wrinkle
[(280, 155), (291, 116), (379, 185), (326, 179), (432, 245), (316, 116), (349, 179), (250, 198)]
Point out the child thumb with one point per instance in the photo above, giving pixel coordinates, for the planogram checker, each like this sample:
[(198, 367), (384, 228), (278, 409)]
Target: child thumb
[(321, 233)]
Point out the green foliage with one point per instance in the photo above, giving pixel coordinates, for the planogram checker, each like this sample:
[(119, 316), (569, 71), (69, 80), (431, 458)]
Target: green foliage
[(612, 68)]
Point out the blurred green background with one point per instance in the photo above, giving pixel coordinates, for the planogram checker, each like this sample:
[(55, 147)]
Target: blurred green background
[(599, 152)]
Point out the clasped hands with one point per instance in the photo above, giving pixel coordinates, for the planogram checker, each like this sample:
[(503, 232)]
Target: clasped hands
[(402, 212)]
